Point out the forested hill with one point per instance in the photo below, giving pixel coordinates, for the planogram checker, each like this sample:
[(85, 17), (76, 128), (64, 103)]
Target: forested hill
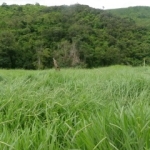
[(76, 35), (140, 14)]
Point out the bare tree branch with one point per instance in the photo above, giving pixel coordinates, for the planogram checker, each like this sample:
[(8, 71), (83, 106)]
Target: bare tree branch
[(56, 64)]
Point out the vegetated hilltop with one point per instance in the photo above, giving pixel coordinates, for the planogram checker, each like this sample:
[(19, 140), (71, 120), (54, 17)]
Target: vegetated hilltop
[(75, 35), (140, 14)]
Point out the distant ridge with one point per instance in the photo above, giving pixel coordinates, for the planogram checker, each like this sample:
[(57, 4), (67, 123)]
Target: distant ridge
[(140, 14)]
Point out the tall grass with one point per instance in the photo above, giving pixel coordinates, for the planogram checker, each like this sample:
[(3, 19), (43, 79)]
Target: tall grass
[(75, 109)]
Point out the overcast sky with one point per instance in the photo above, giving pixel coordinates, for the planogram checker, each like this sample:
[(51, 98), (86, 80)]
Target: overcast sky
[(108, 4)]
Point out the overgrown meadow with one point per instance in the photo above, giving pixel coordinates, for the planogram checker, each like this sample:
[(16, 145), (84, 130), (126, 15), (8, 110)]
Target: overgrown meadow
[(75, 109)]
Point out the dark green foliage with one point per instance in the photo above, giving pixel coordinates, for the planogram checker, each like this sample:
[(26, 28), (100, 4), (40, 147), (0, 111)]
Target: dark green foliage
[(76, 35)]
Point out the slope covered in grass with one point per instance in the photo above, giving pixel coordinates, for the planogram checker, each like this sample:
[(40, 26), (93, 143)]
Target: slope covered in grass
[(97, 109)]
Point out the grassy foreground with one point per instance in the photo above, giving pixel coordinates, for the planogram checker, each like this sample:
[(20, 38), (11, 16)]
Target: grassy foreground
[(75, 109)]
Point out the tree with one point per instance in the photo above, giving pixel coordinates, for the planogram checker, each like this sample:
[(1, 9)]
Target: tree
[(4, 4), (41, 54), (7, 50)]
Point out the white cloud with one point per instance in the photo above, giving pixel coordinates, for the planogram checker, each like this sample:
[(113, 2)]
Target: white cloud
[(93, 3)]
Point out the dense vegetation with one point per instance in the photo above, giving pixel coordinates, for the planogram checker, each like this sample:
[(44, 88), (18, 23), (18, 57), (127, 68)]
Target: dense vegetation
[(98, 109), (76, 35), (140, 14)]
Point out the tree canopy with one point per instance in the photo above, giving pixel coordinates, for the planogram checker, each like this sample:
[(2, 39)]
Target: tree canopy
[(76, 35)]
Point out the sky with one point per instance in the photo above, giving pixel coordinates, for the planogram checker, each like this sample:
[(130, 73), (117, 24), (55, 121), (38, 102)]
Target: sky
[(107, 4)]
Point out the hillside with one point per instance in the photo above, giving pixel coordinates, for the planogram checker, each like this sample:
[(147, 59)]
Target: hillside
[(140, 14), (76, 35)]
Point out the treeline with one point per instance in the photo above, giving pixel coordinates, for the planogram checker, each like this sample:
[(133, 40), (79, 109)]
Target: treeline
[(76, 35)]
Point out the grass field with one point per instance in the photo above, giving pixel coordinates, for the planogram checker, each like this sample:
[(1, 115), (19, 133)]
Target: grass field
[(75, 109)]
